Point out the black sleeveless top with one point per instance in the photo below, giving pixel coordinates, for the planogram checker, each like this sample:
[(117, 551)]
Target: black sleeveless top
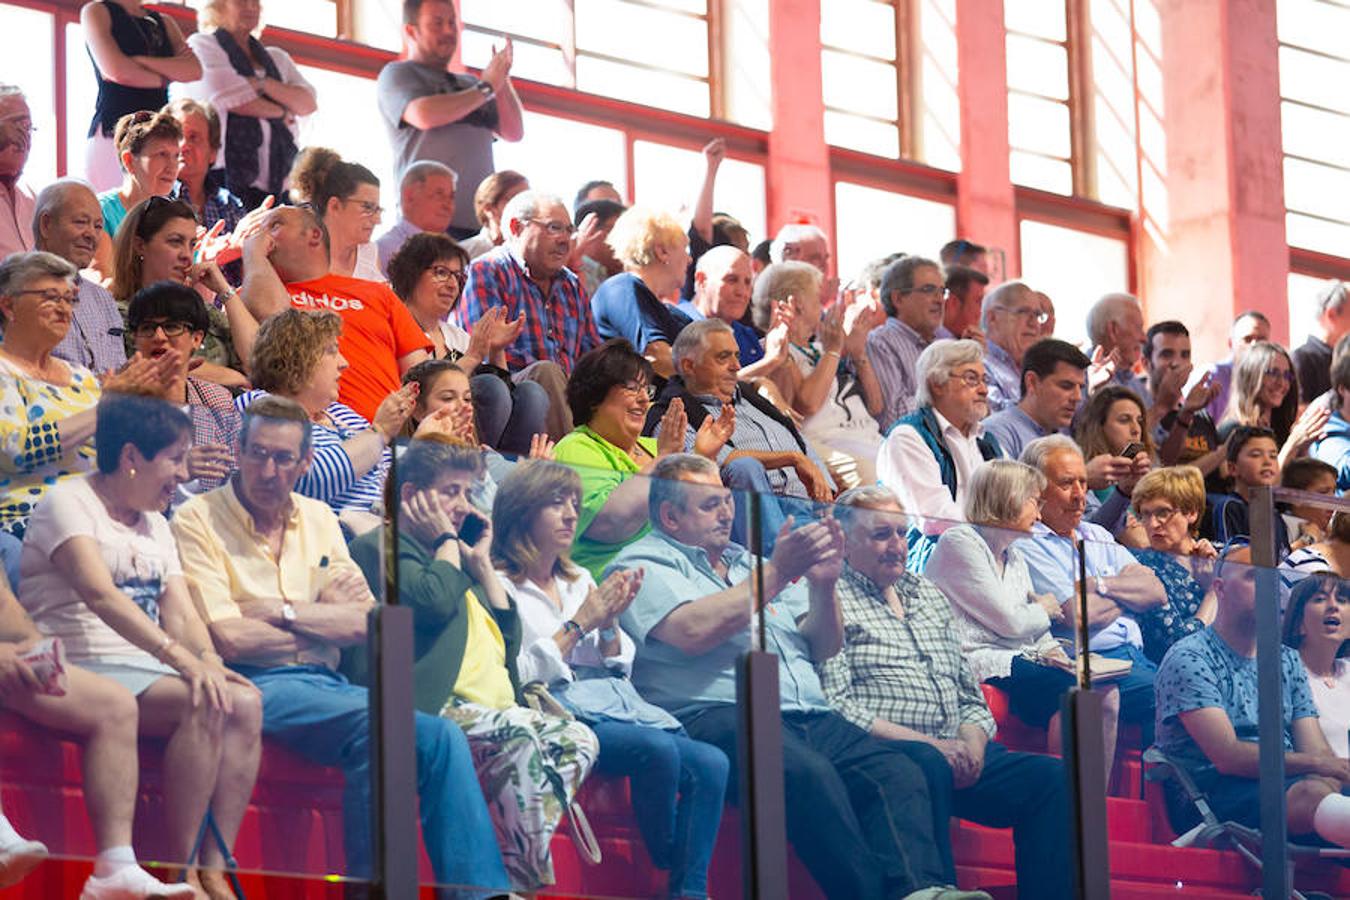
[(143, 36)]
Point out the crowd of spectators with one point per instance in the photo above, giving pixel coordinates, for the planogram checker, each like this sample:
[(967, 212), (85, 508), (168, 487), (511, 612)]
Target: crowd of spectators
[(212, 361)]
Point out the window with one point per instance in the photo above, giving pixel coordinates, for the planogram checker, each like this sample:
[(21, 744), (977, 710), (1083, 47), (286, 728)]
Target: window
[(669, 178), (1113, 174), (326, 18), (871, 223), (1074, 268), (33, 30), (81, 92), (1040, 130), (561, 155), (888, 77), (1303, 293), (1315, 117), (331, 126), (598, 46)]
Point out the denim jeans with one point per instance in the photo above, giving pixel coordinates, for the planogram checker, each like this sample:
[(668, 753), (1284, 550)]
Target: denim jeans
[(507, 419), (859, 812), (316, 713), (1136, 689), (679, 789), (745, 476)]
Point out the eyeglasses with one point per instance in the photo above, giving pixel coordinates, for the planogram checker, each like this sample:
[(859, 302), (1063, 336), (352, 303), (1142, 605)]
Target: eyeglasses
[(1284, 374), (972, 380), (555, 229), (445, 273), (51, 297), (927, 290), (259, 456), (369, 210), (146, 330), (1031, 313), (1160, 515), (641, 390)]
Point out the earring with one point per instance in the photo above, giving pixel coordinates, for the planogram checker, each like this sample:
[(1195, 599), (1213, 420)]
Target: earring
[(131, 473)]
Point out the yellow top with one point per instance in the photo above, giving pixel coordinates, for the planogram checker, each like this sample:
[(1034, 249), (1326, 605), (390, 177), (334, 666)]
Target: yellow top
[(483, 678)]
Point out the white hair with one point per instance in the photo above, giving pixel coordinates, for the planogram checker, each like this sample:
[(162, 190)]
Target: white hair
[(1110, 308), (867, 496), (718, 259), (526, 205), (936, 362), (419, 171), (1002, 297), (53, 198), (692, 339), (999, 489), (1039, 451), (1332, 297), (793, 233)]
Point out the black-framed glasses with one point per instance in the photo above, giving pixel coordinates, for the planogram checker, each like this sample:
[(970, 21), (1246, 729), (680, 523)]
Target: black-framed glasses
[(146, 330), (444, 274), (51, 296), (369, 210), (637, 388)]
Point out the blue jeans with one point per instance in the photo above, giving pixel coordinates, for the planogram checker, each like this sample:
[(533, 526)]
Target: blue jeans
[(316, 713), (679, 789), (747, 476), (507, 419), (1136, 689)]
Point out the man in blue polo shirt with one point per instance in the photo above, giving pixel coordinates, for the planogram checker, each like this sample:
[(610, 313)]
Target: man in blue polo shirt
[(858, 809)]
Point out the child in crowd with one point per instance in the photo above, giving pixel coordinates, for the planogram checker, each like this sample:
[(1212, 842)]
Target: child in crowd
[(1253, 461), (1307, 524)]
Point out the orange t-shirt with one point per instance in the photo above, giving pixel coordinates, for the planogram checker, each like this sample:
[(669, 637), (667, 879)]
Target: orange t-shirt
[(377, 331)]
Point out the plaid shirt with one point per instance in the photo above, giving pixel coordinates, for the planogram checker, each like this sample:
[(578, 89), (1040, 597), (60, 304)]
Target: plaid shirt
[(558, 326), (906, 671), (214, 420)]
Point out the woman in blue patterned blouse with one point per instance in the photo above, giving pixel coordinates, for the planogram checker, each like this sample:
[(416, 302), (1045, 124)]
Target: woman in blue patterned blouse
[(1168, 504)]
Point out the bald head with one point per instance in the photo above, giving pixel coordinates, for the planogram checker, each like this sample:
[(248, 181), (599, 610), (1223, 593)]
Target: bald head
[(722, 282), (67, 221)]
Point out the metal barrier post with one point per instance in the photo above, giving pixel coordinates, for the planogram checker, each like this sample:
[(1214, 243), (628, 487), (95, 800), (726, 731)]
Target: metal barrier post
[(393, 743), (1276, 878), (1084, 764), (760, 749)]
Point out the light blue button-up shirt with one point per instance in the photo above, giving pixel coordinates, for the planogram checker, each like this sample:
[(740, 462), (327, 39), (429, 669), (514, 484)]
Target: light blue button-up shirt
[(1053, 561), (676, 574), (1004, 375)]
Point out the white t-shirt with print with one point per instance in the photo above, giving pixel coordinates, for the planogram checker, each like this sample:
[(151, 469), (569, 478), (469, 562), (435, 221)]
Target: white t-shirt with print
[(140, 558)]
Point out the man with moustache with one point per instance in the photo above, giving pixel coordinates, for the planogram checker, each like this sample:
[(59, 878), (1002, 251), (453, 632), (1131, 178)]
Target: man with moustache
[(433, 113), (1011, 319), (16, 200), (901, 677), (914, 295), (67, 221)]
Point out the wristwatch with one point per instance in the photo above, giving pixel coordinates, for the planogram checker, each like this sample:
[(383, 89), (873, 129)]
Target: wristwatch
[(487, 90), (287, 614), (1101, 587), (608, 634), (572, 628)]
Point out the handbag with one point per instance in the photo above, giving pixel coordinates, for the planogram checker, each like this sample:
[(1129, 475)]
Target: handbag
[(1104, 669), (540, 700)]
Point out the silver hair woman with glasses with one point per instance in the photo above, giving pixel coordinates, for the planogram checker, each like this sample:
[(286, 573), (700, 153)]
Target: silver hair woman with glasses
[(1005, 627), (46, 404)]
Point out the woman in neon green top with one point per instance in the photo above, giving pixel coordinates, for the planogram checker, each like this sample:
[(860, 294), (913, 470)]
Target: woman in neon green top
[(610, 391)]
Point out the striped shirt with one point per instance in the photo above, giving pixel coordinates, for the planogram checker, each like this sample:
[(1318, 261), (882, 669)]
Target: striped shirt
[(1005, 377), (894, 348), (907, 671), (332, 478), (558, 326)]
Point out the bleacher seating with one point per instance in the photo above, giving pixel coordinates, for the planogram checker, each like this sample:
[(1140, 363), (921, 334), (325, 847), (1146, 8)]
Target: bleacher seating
[(293, 824)]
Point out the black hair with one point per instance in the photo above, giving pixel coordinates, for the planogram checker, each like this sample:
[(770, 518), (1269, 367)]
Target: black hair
[(146, 423), (1302, 472), (1044, 356), (1167, 326), (598, 371), (605, 210), (419, 253), (168, 300), (1304, 590), (427, 459), (959, 278), (960, 252), (761, 252), (1243, 435), (580, 199)]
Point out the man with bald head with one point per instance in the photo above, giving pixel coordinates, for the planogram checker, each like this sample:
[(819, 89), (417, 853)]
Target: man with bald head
[(426, 202), (722, 282), (67, 221), (1011, 319), (16, 200)]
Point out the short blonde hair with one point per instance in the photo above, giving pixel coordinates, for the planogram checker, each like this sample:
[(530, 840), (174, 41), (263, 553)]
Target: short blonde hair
[(1181, 486), (779, 281), (288, 347), (999, 489), (211, 16), (639, 231)]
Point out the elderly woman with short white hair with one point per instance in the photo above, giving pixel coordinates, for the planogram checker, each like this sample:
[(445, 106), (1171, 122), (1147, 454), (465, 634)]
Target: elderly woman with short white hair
[(1003, 624), (654, 250), (830, 382)]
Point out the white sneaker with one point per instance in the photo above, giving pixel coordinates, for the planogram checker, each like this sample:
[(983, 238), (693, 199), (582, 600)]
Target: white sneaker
[(132, 883), (18, 860)]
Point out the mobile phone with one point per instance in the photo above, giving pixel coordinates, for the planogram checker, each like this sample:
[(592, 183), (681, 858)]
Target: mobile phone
[(1132, 449), (471, 530)]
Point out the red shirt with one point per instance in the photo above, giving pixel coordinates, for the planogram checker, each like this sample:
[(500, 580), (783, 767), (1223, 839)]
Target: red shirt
[(377, 331)]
